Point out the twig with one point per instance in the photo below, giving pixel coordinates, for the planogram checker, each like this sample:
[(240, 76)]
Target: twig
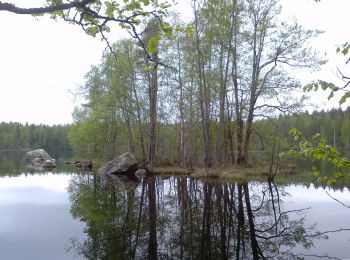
[(327, 232), (337, 200), (320, 256)]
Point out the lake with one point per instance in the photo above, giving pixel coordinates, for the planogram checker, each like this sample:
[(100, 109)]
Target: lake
[(69, 214)]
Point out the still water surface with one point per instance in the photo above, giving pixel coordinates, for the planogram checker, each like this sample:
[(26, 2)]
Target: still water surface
[(67, 214)]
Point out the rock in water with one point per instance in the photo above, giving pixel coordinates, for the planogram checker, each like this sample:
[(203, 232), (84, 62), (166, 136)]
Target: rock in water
[(125, 163), (85, 165), (37, 155), (140, 173), (49, 164), (39, 159)]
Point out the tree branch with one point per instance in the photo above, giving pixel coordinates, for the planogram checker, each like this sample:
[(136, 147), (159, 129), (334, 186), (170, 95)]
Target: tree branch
[(318, 234), (319, 256), (348, 206), (45, 9)]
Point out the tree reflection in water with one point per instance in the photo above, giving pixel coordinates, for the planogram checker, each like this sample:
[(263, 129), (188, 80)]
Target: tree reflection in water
[(181, 218)]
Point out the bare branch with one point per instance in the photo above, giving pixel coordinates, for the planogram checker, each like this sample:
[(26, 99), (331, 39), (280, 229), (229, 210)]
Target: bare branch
[(320, 256), (317, 234), (280, 108), (337, 200)]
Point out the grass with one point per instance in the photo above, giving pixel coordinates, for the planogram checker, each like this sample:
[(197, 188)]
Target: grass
[(170, 170), (255, 173), (234, 173)]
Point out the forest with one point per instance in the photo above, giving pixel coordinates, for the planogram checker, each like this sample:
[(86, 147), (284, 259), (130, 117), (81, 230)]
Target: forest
[(207, 91), (54, 139), (195, 98), (64, 140)]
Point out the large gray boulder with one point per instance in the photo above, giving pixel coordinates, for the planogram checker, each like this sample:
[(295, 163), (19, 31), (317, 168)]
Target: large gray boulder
[(39, 159), (123, 164), (37, 155)]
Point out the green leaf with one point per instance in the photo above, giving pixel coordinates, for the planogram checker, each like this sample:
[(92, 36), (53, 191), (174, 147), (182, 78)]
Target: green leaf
[(345, 51), (110, 8), (148, 68), (324, 85), (153, 44), (167, 28), (330, 182), (92, 30), (189, 30), (331, 95), (293, 131), (164, 5), (125, 26), (89, 18), (316, 136), (145, 2), (344, 98), (332, 86), (106, 29)]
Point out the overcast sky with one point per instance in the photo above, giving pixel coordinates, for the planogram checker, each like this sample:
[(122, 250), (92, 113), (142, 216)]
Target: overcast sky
[(41, 60)]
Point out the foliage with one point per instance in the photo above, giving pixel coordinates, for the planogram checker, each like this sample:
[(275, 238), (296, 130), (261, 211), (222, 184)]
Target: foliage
[(318, 149), (344, 49), (324, 151), (320, 84), (194, 97), (112, 104), (242, 44)]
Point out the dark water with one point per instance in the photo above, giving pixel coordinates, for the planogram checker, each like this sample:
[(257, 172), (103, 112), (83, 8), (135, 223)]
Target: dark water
[(74, 215)]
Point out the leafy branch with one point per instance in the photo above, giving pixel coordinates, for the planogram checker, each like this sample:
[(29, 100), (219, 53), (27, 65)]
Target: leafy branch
[(317, 149), (320, 84)]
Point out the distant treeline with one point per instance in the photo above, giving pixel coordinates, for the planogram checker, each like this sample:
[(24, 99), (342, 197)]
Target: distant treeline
[(334, 125), (29, 136)]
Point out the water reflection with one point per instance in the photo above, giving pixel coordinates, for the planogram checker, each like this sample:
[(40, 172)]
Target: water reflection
[(180, 218), (35, 222), (11, 163)]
